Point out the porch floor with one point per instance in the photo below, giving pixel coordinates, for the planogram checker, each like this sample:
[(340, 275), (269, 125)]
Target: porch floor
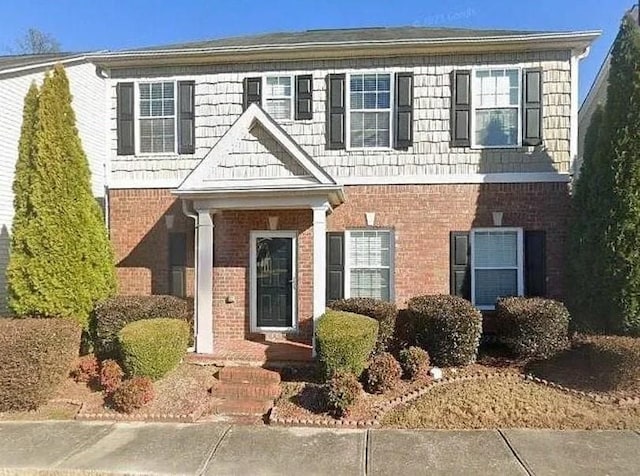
[(267, 353)]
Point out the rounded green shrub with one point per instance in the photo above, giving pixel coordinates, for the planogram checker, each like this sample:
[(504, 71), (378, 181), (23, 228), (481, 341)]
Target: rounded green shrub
[(344, 342), (343, 391), (382, 311), (110, 315), (383, 373), (414, 362), (153, 347), (533, 327), (447, 327)]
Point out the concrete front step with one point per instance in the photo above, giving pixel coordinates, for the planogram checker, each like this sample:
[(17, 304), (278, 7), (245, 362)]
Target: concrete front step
[(254, 375), (247, 390), (242, 407)]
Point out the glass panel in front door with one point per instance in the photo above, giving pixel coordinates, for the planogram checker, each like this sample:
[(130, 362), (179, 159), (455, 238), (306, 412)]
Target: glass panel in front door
[(274, 279)]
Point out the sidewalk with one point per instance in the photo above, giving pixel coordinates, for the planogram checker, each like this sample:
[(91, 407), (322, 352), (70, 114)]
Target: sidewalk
[(66, 448)]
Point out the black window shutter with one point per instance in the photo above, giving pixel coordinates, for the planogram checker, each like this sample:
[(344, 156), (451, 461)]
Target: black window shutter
[(535, 276), (124, 115), (532, 107), (177, 249), (404, 111), (335, 111), (460, 108), (252, 92), (335, 266), (460, 264), (304, 97), (186, 117)]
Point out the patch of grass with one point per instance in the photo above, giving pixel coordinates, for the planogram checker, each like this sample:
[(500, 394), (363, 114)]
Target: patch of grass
[(48, 411), (508, 403)]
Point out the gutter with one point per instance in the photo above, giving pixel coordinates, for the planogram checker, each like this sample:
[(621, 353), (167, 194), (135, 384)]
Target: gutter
[(48, 63)]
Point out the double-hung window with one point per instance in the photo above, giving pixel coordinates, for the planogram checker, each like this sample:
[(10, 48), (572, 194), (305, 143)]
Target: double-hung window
[(278, 97), (157, 102), (369, 110), (496, 107), (496, 265), (369, 264)]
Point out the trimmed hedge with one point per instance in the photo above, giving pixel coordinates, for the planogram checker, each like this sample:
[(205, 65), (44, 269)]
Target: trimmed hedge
[(343, 391), (111, 315), (383, 373), (615, 359), (447, 327), (414, 362), (35, 357), (533, 327), (133, 394), (153, 347), (382, 311), (344, 342)]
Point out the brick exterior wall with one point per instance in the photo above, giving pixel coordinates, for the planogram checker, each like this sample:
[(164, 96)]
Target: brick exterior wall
[(421, 216)]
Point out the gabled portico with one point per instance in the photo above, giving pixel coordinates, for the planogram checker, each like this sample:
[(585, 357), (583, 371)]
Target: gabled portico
[(257, 166)]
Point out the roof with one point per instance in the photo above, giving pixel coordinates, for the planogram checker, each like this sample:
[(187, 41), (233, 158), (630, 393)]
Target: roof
[(22, 61), (345, 43), (327, 36)]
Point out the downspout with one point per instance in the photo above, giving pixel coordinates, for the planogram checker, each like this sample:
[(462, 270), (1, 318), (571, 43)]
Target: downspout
[(575, 91), (193, 215)]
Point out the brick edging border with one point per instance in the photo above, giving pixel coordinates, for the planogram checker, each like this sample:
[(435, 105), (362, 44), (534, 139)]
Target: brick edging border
[(382, 408), (192, 417)]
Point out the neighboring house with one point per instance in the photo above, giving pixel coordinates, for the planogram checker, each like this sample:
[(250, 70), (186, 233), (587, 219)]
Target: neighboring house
[(268, 175), (597, 96), (89, 102)]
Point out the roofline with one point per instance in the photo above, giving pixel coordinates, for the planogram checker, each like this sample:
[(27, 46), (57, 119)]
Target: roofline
[(44, 64), (561, 40)]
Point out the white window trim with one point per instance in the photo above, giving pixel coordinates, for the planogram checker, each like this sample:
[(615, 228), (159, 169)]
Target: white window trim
[(475, 69), (347, 260), (292, 97), (347, 110), (138, 117), (520, 263), (253, 310)]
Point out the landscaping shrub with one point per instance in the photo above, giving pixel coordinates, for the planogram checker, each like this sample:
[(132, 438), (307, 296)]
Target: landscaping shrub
[(404, 334), (110, 376), (344, 342), (87, 369), (35, 357), (343, 390), (133, 394), (382, 311), (111, 315), (448, 327), (533, 327), (153, 347), (414, 362), (383, 373)]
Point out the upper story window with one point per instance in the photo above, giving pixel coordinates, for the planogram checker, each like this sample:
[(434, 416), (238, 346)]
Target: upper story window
[(278, 97), (496, 107), (157, 117), (369, 110)]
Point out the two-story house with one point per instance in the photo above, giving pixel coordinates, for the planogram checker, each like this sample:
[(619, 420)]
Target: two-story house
[(268, 175)]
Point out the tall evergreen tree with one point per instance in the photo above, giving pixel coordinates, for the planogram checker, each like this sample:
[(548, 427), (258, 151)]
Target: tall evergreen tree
[(586, 252), (61, 260), (620, 144)]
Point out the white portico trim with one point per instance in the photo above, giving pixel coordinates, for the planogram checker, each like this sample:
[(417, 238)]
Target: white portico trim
[(215, 186)]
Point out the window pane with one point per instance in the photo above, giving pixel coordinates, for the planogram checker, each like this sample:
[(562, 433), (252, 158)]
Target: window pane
[(496, 88), (370, 82), (278, 86), (156, 91), (357, 82), (384, 100), (168, 90), (369, 248), (157, 135), (370, 129), (156, 108), (495, 249), (373, 283), (369, 101), (145, 91), (356, 100), (278, 108), (496, 127), (145, 108), (492, 284)]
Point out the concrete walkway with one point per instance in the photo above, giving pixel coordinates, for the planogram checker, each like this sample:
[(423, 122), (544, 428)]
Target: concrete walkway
[(67, 448)]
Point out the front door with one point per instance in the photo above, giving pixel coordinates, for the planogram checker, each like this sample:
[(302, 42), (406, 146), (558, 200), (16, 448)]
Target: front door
[(273, 280)]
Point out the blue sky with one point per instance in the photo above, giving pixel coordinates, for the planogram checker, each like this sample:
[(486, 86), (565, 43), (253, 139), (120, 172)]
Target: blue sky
[(82, 25)]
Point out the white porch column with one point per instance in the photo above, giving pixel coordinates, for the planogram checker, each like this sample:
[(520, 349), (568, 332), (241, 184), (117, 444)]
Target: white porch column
[(319, 264), (204, 284)]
